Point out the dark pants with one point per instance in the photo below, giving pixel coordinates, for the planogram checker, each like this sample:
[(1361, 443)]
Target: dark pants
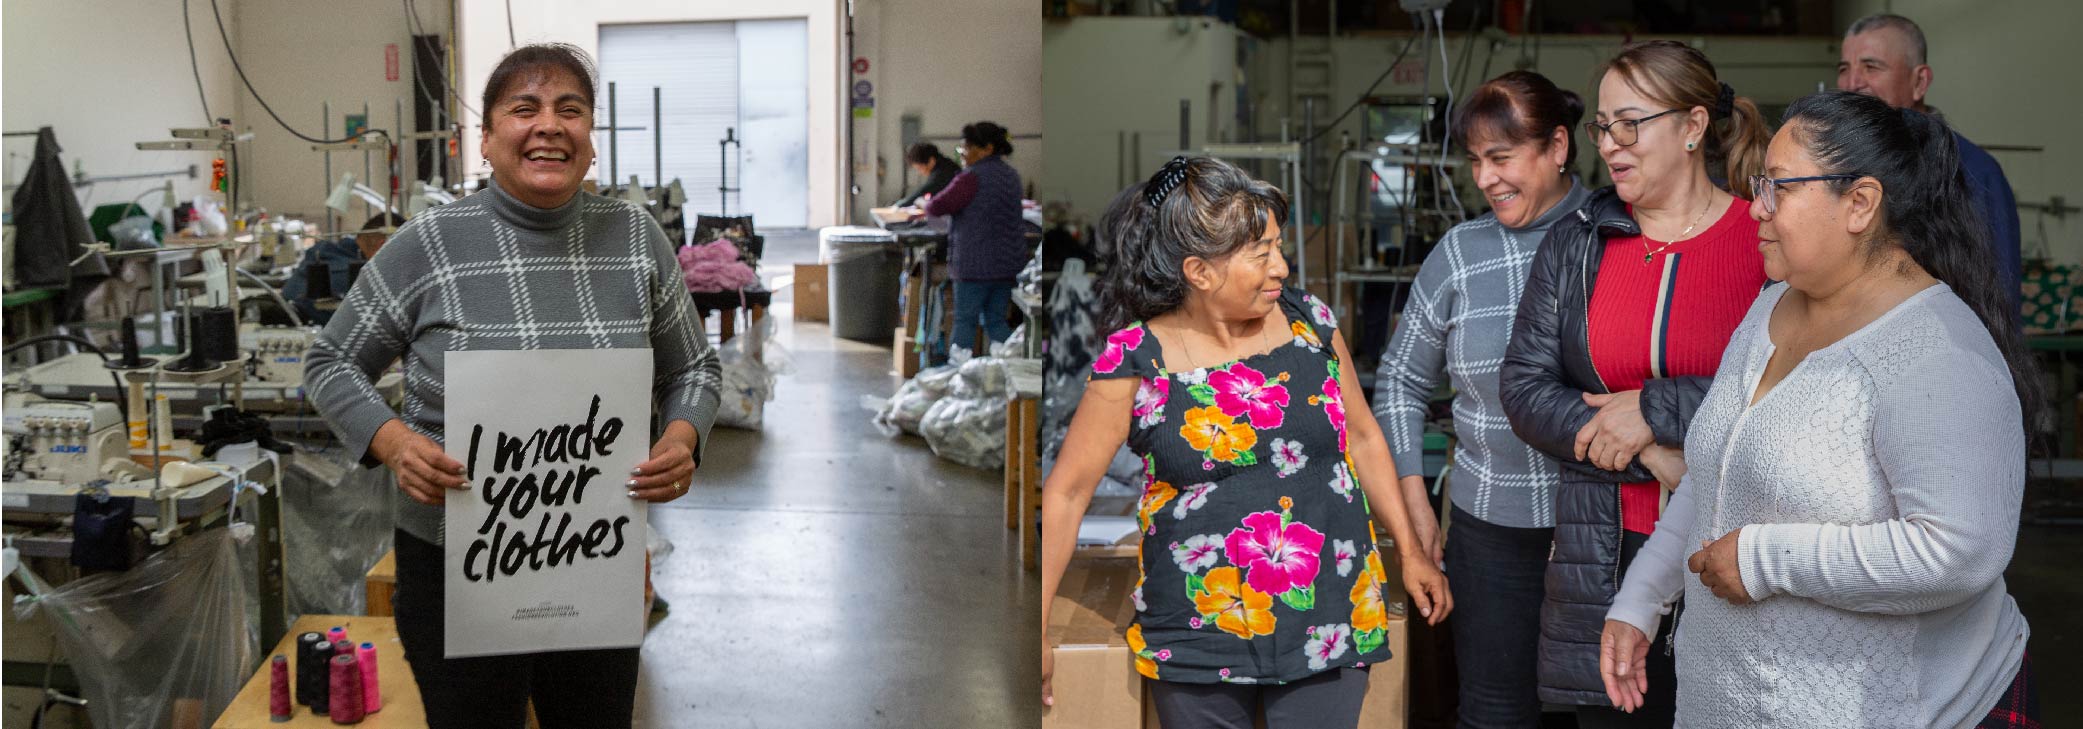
[(594, 688), (1497, 573), (1328, 700), (986, 303), (1660, 705)]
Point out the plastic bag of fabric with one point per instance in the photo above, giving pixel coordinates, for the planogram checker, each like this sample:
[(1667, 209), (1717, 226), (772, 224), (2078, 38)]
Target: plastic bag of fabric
[(903, 411), (336, 524), (968, 426), (748, 383), (168, 643), (715, 266)]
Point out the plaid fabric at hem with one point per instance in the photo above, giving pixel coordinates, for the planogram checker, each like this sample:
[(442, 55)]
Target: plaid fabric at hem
[(2020, 706)]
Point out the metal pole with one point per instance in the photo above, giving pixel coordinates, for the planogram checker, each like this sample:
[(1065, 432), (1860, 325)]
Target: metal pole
[(368, 212), (325, 131), (1301, 187), (1185, 125), (657, 139), (614, 166)]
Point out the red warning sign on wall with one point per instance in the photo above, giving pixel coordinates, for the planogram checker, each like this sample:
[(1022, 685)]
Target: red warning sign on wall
[(390, 62)]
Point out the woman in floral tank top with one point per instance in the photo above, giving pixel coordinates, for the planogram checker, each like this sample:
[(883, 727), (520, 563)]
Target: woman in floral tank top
[(1261, 585)]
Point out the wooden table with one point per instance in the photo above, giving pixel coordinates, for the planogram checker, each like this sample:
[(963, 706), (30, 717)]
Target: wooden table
[(380, 584), (1023, 475), (401, 700)]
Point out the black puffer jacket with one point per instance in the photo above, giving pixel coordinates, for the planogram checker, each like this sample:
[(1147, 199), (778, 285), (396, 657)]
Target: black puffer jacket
[(1547, 369)]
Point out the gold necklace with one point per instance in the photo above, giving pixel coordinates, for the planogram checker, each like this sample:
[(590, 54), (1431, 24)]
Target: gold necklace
[(1649, 254)]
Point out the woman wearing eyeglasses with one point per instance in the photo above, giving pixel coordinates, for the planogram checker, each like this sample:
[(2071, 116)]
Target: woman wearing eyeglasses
[(1855, 480), (1627, 308)]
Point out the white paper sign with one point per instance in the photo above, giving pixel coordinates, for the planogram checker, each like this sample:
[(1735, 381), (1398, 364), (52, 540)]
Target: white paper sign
[(546, 550)]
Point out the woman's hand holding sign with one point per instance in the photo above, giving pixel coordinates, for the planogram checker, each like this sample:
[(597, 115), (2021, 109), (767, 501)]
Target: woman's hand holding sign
[(666, 476), (425, 472)]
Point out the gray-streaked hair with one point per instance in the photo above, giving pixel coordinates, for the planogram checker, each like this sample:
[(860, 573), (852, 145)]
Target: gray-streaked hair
[(1879, 21)]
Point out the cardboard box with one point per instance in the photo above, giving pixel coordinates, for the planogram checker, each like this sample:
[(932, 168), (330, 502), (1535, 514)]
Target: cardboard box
[(1095, 682), (903, 358), (813, 298)]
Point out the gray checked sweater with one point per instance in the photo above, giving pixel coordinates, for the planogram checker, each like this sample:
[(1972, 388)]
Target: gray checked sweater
[(1456, 326), (1875, 492), (489, 272)]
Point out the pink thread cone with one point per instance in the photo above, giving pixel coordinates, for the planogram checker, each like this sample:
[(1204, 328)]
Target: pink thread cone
[(278, 689), (372, 694)]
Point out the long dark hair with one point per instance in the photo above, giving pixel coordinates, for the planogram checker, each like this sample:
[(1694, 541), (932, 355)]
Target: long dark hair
[(1926, 209), (983, 133), (1208, 208), (1519, 107)]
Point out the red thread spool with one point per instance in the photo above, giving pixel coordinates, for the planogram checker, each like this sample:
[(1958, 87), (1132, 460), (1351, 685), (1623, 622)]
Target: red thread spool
[(347, 690), (343, 647), (278, 689)]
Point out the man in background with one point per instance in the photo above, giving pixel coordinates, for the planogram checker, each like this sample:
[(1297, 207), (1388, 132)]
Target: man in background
[(1883, 57)]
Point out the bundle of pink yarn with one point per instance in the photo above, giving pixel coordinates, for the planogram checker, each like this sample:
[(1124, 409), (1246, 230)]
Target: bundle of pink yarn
[(715, 266)]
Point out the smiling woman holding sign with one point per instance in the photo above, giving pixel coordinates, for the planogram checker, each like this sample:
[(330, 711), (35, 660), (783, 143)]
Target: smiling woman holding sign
[(494, 303)]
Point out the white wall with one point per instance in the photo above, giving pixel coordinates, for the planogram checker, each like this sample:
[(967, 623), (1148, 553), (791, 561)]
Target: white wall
[(1103, 76), (106, 74), (301, 54), (2005, 74), (949, 63), (483, 31)]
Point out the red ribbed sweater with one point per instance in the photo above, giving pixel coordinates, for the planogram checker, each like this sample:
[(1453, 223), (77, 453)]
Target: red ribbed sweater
[(1671, 316)]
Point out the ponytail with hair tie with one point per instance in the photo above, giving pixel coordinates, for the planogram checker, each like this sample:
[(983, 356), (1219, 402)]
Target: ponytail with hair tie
[(1725, 104)]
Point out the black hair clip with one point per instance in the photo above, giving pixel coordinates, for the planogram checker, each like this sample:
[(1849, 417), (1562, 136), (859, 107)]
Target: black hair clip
[(1167, 179), (1725, 104)]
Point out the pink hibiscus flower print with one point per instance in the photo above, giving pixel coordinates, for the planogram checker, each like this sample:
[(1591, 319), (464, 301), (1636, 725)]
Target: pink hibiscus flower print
[(1345, 553), (1192, 498), (1342, 481), (1321, 313), (1288, 457), (1197, 553), (1242, 391), (1326, 644), (1276, 558), (1150, 399), (1334, 408), (1119, 344)]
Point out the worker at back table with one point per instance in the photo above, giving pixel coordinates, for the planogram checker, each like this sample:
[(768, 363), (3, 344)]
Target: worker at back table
[(935, 170)]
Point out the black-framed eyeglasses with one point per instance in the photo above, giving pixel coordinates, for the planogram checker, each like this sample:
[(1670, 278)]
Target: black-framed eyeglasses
[(1625, 131), (1765, 190)]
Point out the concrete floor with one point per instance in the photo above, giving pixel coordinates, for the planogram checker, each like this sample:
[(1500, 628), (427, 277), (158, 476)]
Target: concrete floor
[(827, 575)]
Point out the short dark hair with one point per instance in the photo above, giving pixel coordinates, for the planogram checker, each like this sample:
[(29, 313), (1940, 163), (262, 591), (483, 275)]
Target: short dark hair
[(1215, 210), (987, 133), (380, 221), (1519, 107), (538, 58), (1891, 21), (921, 152)]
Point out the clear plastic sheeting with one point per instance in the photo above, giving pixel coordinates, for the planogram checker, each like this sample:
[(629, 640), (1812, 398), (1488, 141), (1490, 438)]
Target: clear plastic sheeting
[(336, 521), (1124, 476), (748, 381), (161, 645), (968, 426)]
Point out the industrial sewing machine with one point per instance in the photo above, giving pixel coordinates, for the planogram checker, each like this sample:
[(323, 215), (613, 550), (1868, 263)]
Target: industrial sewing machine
[(60, 441)]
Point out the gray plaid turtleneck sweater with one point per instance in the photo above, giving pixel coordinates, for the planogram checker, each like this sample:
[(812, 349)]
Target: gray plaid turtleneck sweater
[(489, 272), (1455, 328)]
